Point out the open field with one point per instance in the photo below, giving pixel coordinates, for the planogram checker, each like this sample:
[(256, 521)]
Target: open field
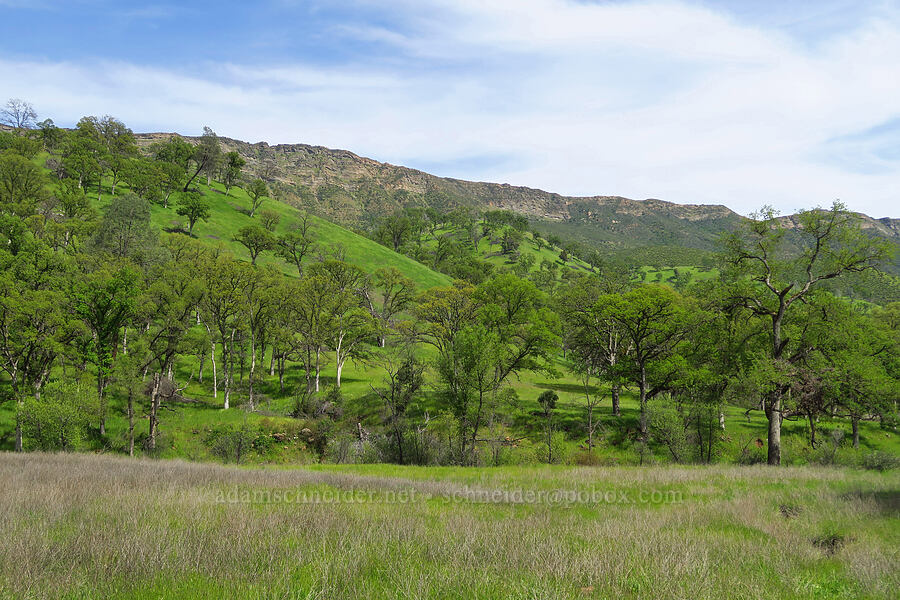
[(80, 526)]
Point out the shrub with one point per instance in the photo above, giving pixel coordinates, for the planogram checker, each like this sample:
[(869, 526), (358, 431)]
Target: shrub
[(230, 443), (880, 461), (667, 428), (57, 420)]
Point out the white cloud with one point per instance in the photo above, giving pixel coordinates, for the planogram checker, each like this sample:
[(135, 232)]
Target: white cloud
[(648, 99)]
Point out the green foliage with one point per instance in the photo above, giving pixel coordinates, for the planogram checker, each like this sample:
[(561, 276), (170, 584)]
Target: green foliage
[(290, 304), (255, 239), (58, 420), (257, 190), (193, 206), (22, 185), (230, 443), (125, 230)]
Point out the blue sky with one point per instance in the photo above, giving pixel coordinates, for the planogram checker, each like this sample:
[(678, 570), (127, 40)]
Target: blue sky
[(741, 103)]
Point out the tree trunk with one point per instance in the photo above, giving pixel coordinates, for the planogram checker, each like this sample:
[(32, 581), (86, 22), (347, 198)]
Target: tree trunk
[(130, 423), (549, 444), (477, 423), (643, 399), (399, 436), (154, 411), (773, 414), (855, 423), (19, 425), (318, 368), (212, 357), (189, 181), (101, 387), (338, 361), (722, 419), (281, 361), (812, 430), (590, 429), (773, 408), (615, 401), (252, 364)]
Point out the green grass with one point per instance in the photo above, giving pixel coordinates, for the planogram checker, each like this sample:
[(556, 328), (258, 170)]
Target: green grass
[(80, 526), (492, 253), (229, 213), (667, 275)]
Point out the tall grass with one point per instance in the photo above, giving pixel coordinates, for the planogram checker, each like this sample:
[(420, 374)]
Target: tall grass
[(80, 526)]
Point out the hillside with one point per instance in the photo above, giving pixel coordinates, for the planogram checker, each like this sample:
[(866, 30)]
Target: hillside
[(352, 189), (229, 213)]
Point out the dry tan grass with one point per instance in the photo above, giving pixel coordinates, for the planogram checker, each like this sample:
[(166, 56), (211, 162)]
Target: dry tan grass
[(96, 526)]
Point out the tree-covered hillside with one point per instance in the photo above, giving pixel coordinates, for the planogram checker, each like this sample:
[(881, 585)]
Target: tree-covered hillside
[(169, 299)]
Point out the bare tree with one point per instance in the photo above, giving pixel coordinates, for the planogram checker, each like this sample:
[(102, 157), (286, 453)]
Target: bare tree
[(18, 114)]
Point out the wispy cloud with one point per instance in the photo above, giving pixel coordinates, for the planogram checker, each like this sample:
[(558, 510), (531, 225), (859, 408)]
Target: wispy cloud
[(681, 101)]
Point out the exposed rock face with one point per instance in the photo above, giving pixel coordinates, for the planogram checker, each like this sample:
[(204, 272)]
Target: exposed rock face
[(351, 188)]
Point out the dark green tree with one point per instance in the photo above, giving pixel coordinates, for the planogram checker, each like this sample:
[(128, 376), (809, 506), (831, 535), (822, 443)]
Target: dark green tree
[(194, 207)]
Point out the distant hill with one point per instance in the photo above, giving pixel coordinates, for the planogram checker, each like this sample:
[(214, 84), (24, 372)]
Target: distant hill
[(353, 190)]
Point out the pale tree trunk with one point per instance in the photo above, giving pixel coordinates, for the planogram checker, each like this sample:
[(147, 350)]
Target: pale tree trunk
[(773, 409), (229, 369), (154, 411), (318, 368), (855, 423), (590, 428), (252, 364), (212, 357), (130, 423), (338, 361), (722, 419)]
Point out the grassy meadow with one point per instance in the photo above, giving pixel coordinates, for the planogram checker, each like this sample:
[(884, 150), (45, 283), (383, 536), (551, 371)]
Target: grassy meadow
[(83, 526)]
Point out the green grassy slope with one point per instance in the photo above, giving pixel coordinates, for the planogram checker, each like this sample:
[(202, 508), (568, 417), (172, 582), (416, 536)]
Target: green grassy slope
[(229, 213)]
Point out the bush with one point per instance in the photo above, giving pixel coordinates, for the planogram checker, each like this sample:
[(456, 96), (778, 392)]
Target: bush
[(59, 419), (880, 461), (667, 429), (230, 443), (523, 452)]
